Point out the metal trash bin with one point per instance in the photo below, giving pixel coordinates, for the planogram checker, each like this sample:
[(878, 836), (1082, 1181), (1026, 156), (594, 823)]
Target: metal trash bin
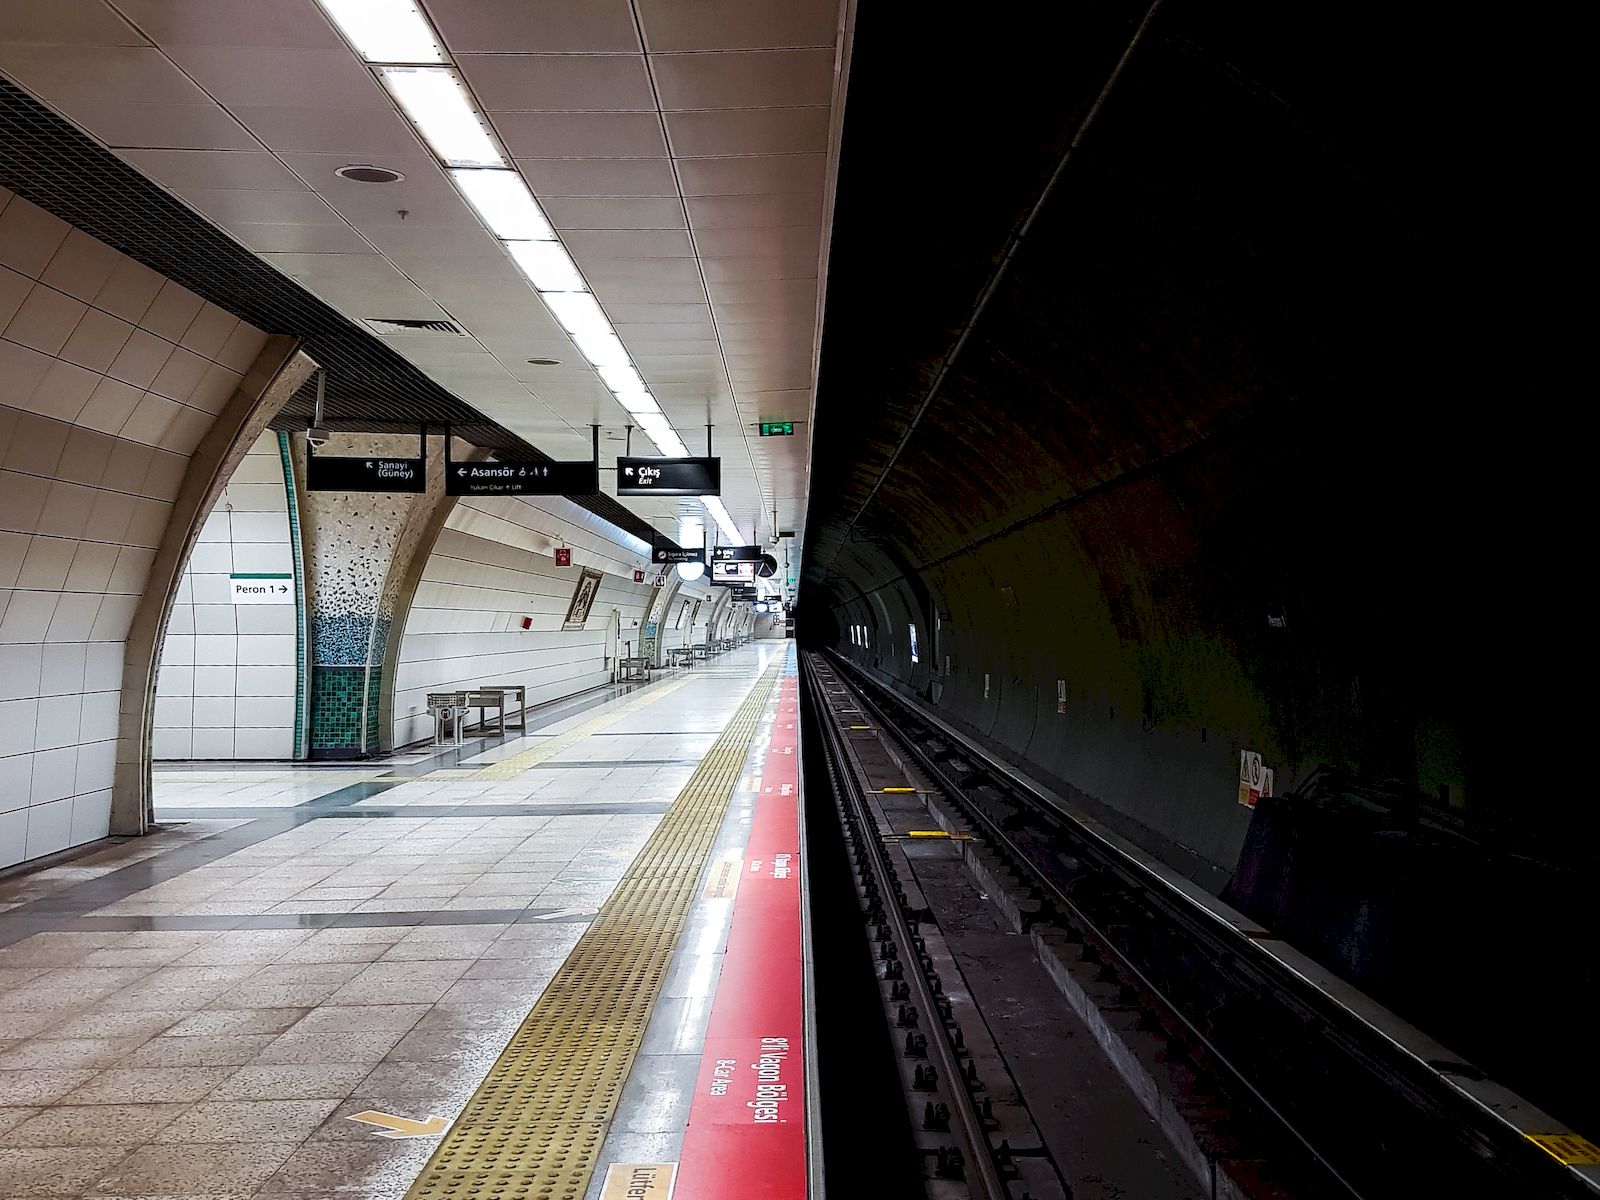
[(449, 712)]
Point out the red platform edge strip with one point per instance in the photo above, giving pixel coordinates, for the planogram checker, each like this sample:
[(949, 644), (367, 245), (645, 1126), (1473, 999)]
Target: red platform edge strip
[(746, 1138)]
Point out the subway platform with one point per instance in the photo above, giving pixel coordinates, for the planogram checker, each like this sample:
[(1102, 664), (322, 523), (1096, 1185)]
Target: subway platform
[(568, 964)]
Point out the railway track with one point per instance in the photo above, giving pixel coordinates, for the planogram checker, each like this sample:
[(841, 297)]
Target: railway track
[(1288, 1089)]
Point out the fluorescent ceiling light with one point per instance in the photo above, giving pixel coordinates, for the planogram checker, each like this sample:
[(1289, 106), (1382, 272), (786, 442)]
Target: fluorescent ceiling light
[(578, 312), (602, 349), (639, 404), (438, 105), (547, 266), (386, 31), (663, 435), (719, 513), (505, 204), (622, 378)]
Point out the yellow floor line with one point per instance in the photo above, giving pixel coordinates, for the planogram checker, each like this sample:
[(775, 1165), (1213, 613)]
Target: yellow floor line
[(533, 1129), (508, 768)]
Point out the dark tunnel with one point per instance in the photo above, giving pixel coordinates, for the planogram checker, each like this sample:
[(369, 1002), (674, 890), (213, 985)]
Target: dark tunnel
[(1182, 395)]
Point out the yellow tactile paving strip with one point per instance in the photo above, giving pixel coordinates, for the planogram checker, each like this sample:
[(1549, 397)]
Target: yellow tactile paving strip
[(509, 768), (533, 1129)]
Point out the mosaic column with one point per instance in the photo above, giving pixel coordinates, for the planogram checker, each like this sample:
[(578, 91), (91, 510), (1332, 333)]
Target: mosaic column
[(353, 543)]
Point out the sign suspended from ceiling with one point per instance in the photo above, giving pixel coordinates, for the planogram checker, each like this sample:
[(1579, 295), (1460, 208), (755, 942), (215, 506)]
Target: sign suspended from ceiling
[(346, 473), (669, 477), (522, 478)]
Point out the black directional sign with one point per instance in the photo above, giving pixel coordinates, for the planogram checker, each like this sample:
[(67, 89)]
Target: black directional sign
[(669, 476), (343, 473), (669, 554), (735, 553), (522, 478)]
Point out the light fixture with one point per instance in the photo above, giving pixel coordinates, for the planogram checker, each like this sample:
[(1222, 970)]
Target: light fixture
[(547, 266), (505, 204), (719, 513), (621, 377), (639, 404), (604, 351), (386, 31), (690, 571), (544, 362), (367, 173), (578, 312), (438, 105)]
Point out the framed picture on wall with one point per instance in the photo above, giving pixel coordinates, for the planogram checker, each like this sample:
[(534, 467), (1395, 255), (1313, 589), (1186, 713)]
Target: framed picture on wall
[(582, 598), (682, 612)]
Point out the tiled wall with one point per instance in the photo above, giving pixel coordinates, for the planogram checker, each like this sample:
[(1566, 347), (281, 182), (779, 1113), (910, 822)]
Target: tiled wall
[(493, 565), (109, 377), (227, 682)]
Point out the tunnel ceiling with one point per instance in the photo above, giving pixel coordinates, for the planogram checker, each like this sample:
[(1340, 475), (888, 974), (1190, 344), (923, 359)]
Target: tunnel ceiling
[(1257, 224)]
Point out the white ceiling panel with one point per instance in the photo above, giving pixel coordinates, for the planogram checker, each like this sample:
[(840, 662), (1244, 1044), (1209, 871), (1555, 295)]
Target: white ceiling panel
[(286, 207), (599, 176), (253, 76), (752, 79), (230, 23), (360, 135), (711, 133), (753, 175), (88, 22), (559, 82), (98, 74), (299, 239), (673, 25), (581, 134), (647, 270), (121, 124), (552, 27), (631, 243), (615, 212), (636, 291), (697, 328), (232, 169), (779, 240), (755, 212), (763, 266)]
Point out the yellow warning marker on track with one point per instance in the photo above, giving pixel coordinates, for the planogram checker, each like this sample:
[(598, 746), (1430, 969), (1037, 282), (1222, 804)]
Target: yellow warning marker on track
[(534, 1127), (509, 768), (896, 791), (939, 833), (1567, 1148)]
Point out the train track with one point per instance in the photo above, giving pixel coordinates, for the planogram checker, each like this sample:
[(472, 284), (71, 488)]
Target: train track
[(1309, 1097)]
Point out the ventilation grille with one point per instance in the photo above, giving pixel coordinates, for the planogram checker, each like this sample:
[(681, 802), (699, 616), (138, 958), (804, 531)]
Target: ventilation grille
[(407, 325)]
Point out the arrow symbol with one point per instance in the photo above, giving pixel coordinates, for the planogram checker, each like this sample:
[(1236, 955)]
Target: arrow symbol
[(565, 912), (401, 1127), (627, 470), (369, 464), (461, 470)]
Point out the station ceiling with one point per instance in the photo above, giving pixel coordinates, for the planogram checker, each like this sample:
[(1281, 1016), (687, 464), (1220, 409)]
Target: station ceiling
[(681, 150)]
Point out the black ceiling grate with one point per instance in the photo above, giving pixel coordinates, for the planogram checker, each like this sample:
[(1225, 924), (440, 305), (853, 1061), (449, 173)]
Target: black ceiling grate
[(370, 387)]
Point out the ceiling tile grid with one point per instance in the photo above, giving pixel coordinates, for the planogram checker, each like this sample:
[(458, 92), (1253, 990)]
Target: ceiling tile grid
[(679, 148)]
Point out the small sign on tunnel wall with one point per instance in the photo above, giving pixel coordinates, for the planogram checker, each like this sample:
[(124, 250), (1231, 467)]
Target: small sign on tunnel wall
[(563, 557), (1255, 779)]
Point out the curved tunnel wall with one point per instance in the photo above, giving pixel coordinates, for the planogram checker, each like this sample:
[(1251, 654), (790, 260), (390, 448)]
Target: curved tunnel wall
[(110, 377)]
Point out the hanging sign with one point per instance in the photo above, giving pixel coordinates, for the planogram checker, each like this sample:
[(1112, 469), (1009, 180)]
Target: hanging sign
[(522, 478), (669, 476), (563, 557), (671, 554), (344, 473)]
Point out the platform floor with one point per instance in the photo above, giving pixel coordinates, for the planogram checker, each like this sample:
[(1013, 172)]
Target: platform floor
[(205, 1012)]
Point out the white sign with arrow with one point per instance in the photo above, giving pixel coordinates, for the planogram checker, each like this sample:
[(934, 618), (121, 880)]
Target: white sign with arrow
[(262, 589)]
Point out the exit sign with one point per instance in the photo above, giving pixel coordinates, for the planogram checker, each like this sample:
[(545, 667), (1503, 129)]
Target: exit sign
[(777, 428)]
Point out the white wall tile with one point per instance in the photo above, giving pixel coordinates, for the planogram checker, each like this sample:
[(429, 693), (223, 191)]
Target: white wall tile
[(91, 817), (211, 681), (263, 743), (53, 773), (171, 742), (213, 743), (103, 667), (49, 828), (13, 834), (98, 721), (45, 320), (272, 712), (97, 763), (29, 237), (17, 719), (62, 669), (57, 723)]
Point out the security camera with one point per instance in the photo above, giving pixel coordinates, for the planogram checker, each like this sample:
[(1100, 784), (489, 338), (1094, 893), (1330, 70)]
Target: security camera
[(317, 437)]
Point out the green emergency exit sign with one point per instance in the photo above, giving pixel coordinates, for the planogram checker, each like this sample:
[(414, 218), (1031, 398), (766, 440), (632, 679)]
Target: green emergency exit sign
[(777, 428)]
